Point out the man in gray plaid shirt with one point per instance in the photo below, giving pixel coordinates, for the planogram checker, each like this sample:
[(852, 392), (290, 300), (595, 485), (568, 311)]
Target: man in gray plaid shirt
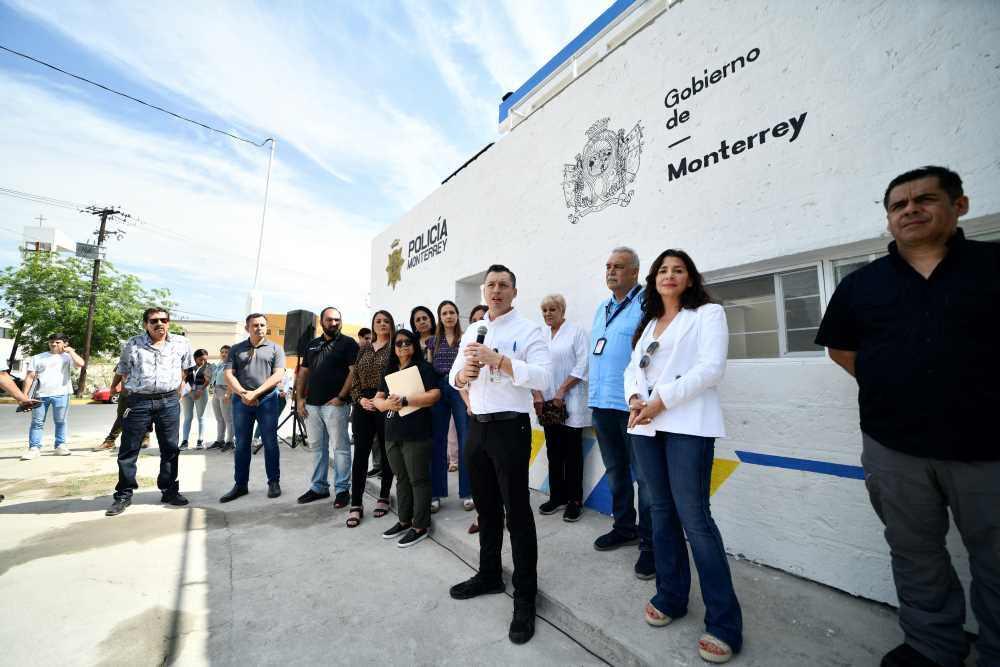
[(153, 365)]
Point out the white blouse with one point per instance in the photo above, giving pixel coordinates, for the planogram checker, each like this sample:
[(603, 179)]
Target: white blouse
[(569, 350)]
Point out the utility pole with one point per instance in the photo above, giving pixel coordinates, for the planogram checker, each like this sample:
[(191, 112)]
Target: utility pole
[(102, 233)]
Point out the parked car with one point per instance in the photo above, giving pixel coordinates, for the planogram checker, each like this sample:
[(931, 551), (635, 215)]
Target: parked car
[(103, 395)]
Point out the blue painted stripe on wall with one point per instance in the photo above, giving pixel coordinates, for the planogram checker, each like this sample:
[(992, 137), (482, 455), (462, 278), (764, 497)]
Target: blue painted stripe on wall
[(600, 498), (601, 22), (821, 467)]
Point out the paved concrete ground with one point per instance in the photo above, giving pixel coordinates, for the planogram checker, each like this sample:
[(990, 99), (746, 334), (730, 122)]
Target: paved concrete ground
[(257, 581), (263, 582)]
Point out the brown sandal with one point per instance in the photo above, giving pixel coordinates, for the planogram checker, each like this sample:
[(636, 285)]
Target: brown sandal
[(354, 516), (381, 508)]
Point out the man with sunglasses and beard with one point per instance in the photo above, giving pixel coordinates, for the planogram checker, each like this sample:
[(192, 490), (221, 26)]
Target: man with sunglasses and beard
[(152, 366)]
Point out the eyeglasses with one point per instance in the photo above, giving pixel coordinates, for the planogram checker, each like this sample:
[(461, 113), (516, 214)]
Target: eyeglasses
[(158, 320), (404, 343), (648, 357)]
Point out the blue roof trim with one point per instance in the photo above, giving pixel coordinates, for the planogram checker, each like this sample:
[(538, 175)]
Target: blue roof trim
[(567, 52)]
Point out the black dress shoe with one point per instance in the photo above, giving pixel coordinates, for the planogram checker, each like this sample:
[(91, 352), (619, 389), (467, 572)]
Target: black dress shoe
[(905, 655), (522, 626), (174, 498), (311, 495), (273, 489), (118, 506), (475, 587), (613, 540), (342, 499), (235, 493)]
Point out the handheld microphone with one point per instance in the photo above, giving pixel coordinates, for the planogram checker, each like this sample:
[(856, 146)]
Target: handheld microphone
[(480, 334)]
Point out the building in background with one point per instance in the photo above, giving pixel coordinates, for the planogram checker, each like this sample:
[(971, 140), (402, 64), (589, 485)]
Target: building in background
[(759, 137), (211, 334), (45, 239)]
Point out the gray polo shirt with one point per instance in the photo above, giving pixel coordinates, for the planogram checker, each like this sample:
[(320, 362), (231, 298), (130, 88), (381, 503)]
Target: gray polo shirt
[(253, 365)]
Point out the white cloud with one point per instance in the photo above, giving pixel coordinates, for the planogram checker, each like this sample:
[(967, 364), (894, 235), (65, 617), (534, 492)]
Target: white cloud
[(203, 206), (275, 73)]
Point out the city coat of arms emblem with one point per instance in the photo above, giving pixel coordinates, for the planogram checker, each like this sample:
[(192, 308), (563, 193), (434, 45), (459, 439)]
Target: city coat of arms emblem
[(603, 170)]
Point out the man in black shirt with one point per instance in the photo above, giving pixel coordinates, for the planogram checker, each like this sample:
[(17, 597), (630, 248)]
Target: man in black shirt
[(323, 388), (918, 329)]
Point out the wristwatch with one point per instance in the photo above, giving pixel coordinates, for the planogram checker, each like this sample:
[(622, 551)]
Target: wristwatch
[(403, 402)]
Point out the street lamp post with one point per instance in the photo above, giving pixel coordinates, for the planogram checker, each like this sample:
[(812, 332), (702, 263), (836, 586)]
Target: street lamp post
[(254, 300)]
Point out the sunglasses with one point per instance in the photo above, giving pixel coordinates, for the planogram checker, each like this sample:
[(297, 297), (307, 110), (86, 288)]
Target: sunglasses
[(648, 357), (403, 343), (159, 320)]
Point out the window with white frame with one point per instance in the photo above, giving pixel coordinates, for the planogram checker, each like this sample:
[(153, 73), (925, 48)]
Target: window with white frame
[(773, 315)]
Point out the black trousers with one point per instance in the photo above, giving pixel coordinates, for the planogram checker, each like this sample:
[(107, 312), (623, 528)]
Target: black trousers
[(497, 455), (368, 428), (564, 448)]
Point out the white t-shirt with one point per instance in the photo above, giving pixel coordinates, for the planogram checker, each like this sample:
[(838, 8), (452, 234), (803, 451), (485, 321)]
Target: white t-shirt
[(52, 373)]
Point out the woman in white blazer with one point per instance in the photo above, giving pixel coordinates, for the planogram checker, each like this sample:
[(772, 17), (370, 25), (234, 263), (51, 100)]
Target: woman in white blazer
[(678, 359)]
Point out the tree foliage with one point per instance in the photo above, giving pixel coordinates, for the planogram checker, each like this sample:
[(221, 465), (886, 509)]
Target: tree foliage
[(49, 294)]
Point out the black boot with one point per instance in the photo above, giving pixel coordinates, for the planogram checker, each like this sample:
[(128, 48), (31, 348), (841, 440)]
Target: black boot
[(522, 626)]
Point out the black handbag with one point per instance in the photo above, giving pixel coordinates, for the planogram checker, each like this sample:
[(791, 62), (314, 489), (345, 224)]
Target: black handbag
[(553, 414)]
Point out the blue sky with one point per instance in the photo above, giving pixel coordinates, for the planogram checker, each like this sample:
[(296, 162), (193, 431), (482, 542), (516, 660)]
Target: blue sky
[(372, 103)]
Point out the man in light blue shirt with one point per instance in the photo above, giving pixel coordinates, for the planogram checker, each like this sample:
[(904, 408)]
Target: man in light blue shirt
[(610, 349)]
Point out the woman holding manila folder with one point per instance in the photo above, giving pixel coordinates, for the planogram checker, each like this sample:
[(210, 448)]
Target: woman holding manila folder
[(409, 389)]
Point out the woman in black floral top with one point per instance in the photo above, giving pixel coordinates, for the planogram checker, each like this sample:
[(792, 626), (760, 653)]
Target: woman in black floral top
[(367, 423)]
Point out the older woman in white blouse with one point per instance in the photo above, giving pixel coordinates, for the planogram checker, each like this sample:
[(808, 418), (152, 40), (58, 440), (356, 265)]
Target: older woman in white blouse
[(567, 388)]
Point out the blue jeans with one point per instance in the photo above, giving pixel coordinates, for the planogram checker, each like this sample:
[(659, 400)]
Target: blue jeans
[(59, 406), (619, 457), (677, 471), (323, 424), (194, 407), (266, 414), (450, 406), (165, 415)]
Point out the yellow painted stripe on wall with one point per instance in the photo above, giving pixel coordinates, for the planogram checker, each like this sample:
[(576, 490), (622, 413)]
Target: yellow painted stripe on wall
[(721, 470), (537, 441)]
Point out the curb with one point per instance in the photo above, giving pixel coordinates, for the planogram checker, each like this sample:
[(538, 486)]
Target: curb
[(549, 606)]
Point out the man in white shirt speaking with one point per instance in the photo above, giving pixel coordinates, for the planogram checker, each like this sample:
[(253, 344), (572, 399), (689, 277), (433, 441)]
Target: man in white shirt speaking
[(51, 370), (500, 361)]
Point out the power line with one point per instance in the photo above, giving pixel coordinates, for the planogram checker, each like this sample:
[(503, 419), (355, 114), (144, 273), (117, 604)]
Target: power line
[(156, 229), (135, 99)]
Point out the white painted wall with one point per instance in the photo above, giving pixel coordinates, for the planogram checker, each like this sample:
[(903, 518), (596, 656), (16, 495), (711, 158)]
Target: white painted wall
[(886, 87)]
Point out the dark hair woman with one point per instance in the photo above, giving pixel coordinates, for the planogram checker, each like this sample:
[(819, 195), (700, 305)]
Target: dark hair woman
[(367, 423), (677, 363), (195, 399), (408, 439), (477, 313), (422, 323), (443, 350)]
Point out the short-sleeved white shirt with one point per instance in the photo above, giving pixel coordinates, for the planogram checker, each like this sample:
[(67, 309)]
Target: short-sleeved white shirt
[(52, 371)]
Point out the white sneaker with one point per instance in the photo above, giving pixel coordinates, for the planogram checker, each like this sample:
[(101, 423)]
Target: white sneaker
[(468, 504), (63, 450), (31, 454), (435, 505)]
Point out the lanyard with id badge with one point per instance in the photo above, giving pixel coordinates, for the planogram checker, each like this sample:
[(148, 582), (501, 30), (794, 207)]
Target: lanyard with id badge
[(609, 318)]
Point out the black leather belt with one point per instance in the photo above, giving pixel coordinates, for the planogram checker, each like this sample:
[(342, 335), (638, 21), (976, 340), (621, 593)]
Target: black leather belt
[(153, 397), (497, 416)]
